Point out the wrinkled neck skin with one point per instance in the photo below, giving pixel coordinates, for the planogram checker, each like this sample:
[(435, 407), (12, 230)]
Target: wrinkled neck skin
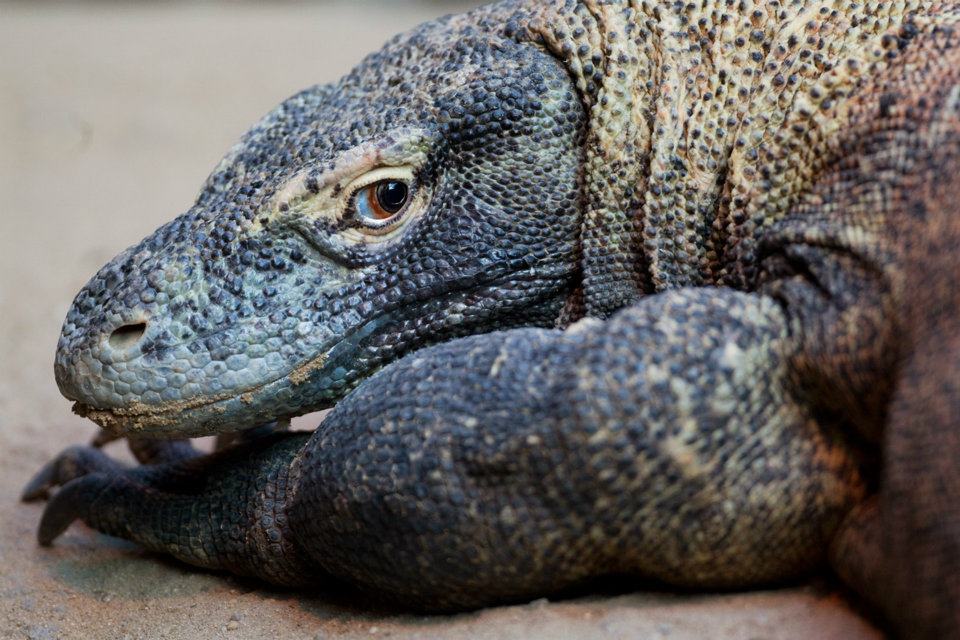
[(707, 124)]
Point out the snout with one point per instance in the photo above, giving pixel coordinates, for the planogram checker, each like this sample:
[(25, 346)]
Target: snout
[(92, 365), (189, 361)]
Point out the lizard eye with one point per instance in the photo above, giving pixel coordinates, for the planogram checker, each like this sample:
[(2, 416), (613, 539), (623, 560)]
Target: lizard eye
[(380, 204)]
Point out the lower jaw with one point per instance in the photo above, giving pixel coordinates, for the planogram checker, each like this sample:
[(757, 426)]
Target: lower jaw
[(308, 387), (295, 394)]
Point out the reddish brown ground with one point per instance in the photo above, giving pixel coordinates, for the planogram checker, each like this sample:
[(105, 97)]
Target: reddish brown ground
[(110, 117)]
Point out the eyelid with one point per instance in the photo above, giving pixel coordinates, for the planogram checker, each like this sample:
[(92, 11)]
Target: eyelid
[(401, 173)]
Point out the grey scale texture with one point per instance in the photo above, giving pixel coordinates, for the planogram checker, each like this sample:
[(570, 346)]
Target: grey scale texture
[(672, 295)]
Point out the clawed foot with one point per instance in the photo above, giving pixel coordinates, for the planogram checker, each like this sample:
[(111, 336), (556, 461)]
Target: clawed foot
[(82, 474), (80, 460), (223, 510), (72, 463)]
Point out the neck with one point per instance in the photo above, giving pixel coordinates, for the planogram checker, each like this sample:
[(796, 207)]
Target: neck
[(702, 123)]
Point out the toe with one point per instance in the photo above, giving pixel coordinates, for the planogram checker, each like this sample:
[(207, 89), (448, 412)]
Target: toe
[(72, 463), (67, 505)]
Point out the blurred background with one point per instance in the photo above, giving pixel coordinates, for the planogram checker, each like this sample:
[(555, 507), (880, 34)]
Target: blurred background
[(111, 116)]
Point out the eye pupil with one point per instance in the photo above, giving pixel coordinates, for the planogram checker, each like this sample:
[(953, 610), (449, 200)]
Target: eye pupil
[(392, 195)]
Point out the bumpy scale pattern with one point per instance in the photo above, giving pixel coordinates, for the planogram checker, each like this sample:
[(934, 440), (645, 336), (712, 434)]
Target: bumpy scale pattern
[(728, 229), (236, 297), (724, 113), (662, 443)]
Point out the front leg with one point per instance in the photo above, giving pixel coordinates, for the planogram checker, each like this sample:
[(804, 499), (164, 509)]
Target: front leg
[(663, 443), (79, 460)]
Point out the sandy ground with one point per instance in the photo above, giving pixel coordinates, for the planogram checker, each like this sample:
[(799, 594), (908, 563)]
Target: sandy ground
[(110, 118)]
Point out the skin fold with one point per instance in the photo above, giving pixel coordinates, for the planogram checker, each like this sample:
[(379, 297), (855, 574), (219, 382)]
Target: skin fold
[(671, 291)]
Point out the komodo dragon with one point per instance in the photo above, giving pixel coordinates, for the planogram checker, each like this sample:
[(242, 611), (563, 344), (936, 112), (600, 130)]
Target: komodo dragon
[(663, 289)]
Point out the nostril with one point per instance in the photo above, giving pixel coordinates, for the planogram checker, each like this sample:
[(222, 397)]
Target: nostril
[(127, 335)]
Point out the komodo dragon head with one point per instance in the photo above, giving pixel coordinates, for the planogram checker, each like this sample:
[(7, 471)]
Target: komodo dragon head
[(435, 191)]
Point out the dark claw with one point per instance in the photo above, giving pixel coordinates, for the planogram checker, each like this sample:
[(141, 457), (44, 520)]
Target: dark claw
[(74, 462), (67, 505), (223, 510), (161, 451), (225, 440), (103, 438)]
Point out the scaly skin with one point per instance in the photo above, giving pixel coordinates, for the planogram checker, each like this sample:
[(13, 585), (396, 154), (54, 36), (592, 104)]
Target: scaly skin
[(708, 251)]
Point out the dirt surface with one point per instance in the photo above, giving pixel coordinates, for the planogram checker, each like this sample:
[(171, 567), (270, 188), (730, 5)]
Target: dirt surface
[(110, 117)]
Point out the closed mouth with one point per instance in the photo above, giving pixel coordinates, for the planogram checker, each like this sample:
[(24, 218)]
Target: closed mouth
[(140, 416), (220, 410), (172, 418), (235, 410)]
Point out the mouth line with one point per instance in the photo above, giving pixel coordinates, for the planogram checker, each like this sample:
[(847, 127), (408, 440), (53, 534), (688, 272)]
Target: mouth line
[(140, 417), (164, 420), (109, 418)]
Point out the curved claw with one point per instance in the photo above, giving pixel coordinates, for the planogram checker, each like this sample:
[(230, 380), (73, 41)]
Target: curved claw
[(161, 451), (103, 438), (69, 504), (73, 462), (38, 488), (231, 438)]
